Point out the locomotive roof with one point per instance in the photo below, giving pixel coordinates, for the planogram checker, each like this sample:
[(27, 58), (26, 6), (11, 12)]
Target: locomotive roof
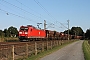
[(31, 26), (28, 26)]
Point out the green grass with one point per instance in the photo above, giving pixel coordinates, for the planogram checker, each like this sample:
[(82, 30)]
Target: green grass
[(86, 50), (8, 39), (42, 54)]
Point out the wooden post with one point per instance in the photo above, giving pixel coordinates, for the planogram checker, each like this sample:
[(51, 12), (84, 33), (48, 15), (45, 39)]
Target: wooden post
[(61, 42), (26, 50), (12, 52), (35, 48), (54, 43), (51, 44), (57, 42), (47, 44), (42, 46)]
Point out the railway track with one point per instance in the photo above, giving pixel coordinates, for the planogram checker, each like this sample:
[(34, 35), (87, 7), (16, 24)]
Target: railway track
[(9, 44)]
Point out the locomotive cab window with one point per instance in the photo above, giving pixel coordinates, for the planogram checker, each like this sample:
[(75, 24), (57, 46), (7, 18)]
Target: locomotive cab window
[(24, 29)]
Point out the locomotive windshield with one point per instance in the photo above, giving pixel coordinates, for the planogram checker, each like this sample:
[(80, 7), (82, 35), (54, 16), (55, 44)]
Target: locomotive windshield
[(24, 29)]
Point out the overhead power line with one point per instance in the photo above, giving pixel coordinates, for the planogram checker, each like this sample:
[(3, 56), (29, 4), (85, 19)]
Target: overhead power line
[(20, 8), (9, 8), (62, 24), (43, 8), (27, 7), (48, 13), (8, 13)]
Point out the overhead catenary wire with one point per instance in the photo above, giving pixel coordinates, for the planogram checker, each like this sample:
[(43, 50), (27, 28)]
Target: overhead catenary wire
[(44, 9), (14, 14), (48, 12), (8, 13), (9, 8), (61, 24), (21, 9), (29, 8)]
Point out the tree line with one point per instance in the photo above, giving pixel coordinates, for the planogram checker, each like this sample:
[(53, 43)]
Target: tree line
[(10, 32), (77, 31)]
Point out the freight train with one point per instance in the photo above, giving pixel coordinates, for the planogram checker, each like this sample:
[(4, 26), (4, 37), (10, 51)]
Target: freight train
[(29, 32)]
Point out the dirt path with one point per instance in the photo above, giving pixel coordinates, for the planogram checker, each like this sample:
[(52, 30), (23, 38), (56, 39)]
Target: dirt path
[(70, 52)]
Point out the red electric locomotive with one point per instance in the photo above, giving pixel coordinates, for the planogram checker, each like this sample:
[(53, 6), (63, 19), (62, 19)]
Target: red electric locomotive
[(30, 32)]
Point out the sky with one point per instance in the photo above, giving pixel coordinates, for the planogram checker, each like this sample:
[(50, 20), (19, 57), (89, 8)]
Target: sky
[(56, 13)]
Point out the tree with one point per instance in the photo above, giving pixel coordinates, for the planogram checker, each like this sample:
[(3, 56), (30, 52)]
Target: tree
[(1, 33), (87, 34), (6, 32), (12, 31), (77, 31)]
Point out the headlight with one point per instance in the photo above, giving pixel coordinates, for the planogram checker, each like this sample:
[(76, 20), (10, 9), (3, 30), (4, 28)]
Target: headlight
[(26, 32), (20, 32)]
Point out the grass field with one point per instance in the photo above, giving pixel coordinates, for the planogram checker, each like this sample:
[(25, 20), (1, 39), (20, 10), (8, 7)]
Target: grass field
[(86, 50), (8, 39)]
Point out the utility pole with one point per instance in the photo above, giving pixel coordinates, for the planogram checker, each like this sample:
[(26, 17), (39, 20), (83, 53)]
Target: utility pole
[(45, 24), (68, 29)]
